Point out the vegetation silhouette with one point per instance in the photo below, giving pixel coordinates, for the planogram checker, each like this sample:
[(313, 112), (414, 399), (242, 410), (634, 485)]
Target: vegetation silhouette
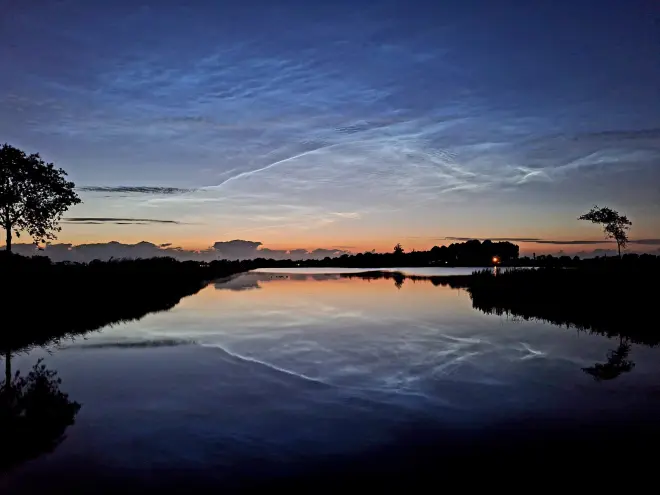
[(470, 253), (615, 225), (589, 297), (33, 195), (34, 414)]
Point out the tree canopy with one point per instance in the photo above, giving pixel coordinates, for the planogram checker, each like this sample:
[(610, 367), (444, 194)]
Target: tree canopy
[(615, 225), (33, 195)]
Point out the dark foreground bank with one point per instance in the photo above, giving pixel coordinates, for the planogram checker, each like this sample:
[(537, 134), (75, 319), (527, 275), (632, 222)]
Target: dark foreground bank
[(614, 299), (44, 301)]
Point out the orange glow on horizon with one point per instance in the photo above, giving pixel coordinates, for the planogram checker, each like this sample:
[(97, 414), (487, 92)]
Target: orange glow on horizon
[(285, 241), (379, 245)]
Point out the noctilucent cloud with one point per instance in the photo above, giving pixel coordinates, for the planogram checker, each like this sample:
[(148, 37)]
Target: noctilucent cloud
[(340, 124)]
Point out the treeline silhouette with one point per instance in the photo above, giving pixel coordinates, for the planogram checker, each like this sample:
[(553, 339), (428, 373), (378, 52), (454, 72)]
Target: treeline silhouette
[(469, 253), (473, 253)]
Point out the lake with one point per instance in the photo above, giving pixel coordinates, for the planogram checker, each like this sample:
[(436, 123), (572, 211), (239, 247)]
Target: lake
[(275, 376)]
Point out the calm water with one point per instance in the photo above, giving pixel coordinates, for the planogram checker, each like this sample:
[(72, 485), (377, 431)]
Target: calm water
[(422, 271), (268, 374)]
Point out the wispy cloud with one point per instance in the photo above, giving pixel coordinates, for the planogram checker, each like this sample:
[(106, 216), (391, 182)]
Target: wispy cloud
[(135, 189), (299, 116), (130, 344), (121, 221), (650, 242)]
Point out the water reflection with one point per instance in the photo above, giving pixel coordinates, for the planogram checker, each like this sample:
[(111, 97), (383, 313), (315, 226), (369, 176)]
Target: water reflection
[(276, 375), (454, 281), (616, 364), (34, 413)]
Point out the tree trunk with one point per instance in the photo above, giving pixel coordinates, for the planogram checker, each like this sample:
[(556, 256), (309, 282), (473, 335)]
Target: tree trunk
[(618, 245), (8, 245)]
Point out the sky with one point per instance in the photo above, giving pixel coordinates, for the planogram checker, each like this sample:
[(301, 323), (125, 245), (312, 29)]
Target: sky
[(340, 125)]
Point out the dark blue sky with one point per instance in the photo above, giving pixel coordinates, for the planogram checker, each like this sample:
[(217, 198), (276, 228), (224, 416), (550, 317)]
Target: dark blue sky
[(316, 123)]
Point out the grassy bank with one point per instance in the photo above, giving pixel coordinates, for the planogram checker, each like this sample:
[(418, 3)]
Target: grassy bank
[(613, 299), (44, 301)]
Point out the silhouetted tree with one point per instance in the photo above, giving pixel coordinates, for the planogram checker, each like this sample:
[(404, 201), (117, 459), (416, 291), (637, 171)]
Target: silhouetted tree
[(33, 195), (614, 225), (398, 249)]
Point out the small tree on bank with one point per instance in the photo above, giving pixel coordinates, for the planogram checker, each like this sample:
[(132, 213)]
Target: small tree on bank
[(615, 226), (33, 195), (398, 250)]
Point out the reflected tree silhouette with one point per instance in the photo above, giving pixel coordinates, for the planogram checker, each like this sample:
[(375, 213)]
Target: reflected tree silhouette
[(617, 363), (34, 413), (453, 281), (399, 279)]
